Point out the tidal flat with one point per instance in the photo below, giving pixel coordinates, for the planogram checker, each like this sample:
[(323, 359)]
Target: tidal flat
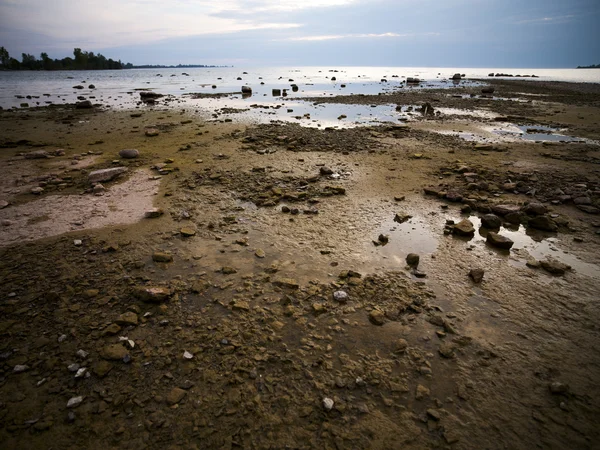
[(242, 283)]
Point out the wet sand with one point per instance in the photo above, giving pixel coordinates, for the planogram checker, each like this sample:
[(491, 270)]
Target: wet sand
[(251, 344)]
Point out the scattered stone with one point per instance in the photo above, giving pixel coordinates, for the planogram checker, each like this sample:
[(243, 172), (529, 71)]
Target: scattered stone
[(422, 392), (554, 267), (82, 354), (151, 132), (464, 228), (74, 402), (128, 318), (328, 403), (499, 241), (340, 296), (377, 317), (175, 396), (558, 388), (187, 232), (447, 350), (37, 190), (85, 104), (152, 294), (288, 283), (187, 355), (401, 218), (241, 305), (153, 213), (129, 153), (491, 221), (19, 368), (476, 275), (77, 242), (383, 239), (259, 253), (3, 204), (114, 352), (503, 210), (325, 171), (412, 259), (534, 209), (400, 346), (162, 257), (103, 175), (227, 270)]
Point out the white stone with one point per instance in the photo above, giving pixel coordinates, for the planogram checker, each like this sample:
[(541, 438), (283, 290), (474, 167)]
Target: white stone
[(74, 402), (77, 242), (187, 355), (20, 368), (327, 403), (81, 372), (340, 296)]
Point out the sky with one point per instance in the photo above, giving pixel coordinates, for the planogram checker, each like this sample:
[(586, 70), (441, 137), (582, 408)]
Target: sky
[(250, 33)]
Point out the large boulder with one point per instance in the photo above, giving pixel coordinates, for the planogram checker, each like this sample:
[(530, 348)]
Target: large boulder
[(491, 221), (129, 153), (103, 175), (464, 228), (86, 104)]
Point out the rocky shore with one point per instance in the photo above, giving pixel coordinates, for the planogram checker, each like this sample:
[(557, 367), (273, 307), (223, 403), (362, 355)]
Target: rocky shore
[(168, 281)]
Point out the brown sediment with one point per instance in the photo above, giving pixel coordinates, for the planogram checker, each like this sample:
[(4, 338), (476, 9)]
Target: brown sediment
[(245, 333)]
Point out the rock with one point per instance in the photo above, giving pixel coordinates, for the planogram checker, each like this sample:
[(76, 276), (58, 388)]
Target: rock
[(128, 318), (340, 296), (400, 346), (187, 355), (37, 154), (102, 368), (558, 388), (148, 95), (499, 241), (412, 259), (533, 263), (328, 403), (401, 218), (151, 132), (3, 204), (175, 396), (464, 228), (102, 175), (589, 209), (246, 90), (86, 104), (289, 283), (582, 201), (129, 153), (82, 354), (227, 270), (422, 392), (114, 352), (456, 76), (74, 402), (153, 213), (162, 257), (241, 305), (111, 330), (488, 90), (325, 171), (98, 188), (491, 221), (20, 368), (543, 223), (259, 253), (152, 294), (534, 209), (187, 232), (37, 190), (476, 275), (554, 267), (446, 350), (383, 239), (91, 86), (454, 196), (377, 317), (503, 210)]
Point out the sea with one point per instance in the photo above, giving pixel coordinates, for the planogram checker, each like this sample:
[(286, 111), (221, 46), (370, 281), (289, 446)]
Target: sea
[(119, 89)]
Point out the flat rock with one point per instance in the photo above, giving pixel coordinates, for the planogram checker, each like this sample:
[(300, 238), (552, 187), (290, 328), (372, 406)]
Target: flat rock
[(175, 396), (128, 318), (499, 241), (589, 209), (103, 175), (151, 132), (288, 283), (162, 257), (554, 267), (464, 228), (152, 294), (187, 232), (74, 402), (503, 210), (153, 213), (534, 209), (114, 352)]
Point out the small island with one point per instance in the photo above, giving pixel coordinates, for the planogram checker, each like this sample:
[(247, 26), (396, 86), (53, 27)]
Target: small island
[(593, 66), (81, 61)]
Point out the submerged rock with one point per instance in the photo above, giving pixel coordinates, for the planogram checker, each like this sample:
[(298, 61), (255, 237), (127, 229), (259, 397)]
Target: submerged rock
[(499, 241), (491, 221)]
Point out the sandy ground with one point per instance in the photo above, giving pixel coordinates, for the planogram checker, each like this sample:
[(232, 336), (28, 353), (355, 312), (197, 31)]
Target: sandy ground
[(252, 345)]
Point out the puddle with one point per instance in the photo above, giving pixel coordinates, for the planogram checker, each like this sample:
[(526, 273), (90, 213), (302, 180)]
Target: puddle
[(540, 245), (534, 133)]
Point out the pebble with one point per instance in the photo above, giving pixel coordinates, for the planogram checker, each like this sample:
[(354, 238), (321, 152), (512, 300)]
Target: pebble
[(162, 257), (377, 317), (77, 242), (19, 368), (328, 403), (340, 296), (82, 354), (476, 275), (62, 338), (129, 153), (74, 402), (81, 372), (412, 259), (73, 367), (187, 355)]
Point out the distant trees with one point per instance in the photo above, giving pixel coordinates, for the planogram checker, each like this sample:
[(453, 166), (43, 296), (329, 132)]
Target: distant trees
[(82, 61), (593, 66)]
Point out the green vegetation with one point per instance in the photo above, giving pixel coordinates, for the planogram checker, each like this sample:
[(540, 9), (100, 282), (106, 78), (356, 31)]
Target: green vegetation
[(81, 61), (593, 66)]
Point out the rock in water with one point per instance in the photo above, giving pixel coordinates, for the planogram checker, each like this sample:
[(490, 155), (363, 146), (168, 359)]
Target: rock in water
[(476, 275), (102, 175), (412, 259), (377, 317), (129, 153), (503, 210), (464, 228), (499, 241), (491, 221), (554, 267), (534, 209), (86, 104)]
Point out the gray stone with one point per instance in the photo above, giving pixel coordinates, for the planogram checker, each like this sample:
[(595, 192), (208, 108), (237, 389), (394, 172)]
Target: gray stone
[(328, 403), (412, 259), (86, 104), (476, 275), (534, 209), (102, 175), (464, 228), (340, 296), (554, 267), (129, 153), (543, 223), (74, 402), (503, 210), (152, 294)]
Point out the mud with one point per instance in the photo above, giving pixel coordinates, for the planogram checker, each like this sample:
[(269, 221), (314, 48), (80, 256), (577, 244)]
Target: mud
[(264, 226)]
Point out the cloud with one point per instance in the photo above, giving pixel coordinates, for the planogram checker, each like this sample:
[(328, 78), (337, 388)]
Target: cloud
[(329, 37), (546, 20)]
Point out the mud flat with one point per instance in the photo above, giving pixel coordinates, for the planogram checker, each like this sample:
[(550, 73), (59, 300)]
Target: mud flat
[(279, 286)]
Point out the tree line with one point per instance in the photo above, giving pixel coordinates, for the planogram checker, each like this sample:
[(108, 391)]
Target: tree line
[(593, 66), (81, 61)]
